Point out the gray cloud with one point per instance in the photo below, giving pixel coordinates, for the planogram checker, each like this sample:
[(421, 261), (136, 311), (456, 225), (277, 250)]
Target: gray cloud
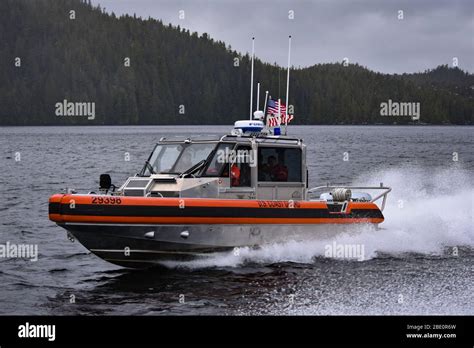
[(368, 32)]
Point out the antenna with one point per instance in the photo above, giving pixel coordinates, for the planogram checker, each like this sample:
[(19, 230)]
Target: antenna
[(288, 82), (258, 95), (265, 106), (251, 78)]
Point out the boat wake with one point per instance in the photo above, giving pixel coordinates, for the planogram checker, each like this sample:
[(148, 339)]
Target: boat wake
[(428, 212)]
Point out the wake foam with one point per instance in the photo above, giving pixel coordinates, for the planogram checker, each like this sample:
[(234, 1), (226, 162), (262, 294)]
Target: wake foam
[(427, 211)]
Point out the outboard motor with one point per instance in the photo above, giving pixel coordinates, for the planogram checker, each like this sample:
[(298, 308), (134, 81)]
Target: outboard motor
[(105, 183)]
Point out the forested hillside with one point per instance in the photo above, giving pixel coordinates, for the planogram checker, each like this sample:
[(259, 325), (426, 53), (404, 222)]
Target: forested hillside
[(178, 77)]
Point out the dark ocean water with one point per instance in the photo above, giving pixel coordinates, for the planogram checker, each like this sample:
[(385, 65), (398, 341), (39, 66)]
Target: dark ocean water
[(421, 262)]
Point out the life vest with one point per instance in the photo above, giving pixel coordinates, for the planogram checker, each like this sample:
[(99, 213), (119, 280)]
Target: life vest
[(280, 172), (235, 175)]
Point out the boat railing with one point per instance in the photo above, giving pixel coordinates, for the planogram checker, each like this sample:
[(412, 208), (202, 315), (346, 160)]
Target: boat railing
[(328, 188)]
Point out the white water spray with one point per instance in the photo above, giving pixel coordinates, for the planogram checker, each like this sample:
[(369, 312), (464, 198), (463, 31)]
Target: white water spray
[(428, 211)]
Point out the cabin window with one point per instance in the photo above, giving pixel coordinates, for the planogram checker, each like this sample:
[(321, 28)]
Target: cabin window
[(219, 164), (279, 164), (240, 173)]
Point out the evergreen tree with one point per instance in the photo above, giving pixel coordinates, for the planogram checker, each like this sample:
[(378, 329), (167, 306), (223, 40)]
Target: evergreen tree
[(82, 60)]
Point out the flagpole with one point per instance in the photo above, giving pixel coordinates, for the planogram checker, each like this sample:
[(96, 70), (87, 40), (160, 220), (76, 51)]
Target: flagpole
[(265, 108), (279, 111), (251, 78), (288, 83)]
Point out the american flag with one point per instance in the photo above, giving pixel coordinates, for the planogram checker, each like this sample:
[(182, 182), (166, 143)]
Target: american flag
[(272, 113)]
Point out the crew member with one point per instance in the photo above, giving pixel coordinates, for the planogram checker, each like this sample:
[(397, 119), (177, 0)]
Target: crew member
[(235, 175)]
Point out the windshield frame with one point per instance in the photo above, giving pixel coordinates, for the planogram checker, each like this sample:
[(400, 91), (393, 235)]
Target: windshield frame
[(184, 144)]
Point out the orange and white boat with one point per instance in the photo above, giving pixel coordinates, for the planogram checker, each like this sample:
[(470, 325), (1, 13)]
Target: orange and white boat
[(206, 194), (196, 196)]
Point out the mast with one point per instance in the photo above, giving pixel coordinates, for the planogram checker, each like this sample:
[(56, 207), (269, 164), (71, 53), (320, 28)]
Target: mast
[(251, 78), (288, 82)]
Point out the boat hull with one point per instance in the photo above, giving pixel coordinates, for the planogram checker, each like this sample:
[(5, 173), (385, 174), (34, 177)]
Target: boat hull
[(138, 232)]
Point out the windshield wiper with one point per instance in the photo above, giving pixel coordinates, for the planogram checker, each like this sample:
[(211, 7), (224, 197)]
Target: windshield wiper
[(194, 168), (150, 167)]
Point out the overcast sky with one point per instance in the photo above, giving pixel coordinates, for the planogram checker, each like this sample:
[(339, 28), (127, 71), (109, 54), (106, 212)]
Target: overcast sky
[(432, 32)]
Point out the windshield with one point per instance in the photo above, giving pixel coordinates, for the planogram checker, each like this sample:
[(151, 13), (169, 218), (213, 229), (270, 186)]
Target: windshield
[(177, 158)]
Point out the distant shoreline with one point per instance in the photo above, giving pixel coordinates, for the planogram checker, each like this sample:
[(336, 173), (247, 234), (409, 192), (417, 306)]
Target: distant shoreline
[(104, 70), (225, 125)]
